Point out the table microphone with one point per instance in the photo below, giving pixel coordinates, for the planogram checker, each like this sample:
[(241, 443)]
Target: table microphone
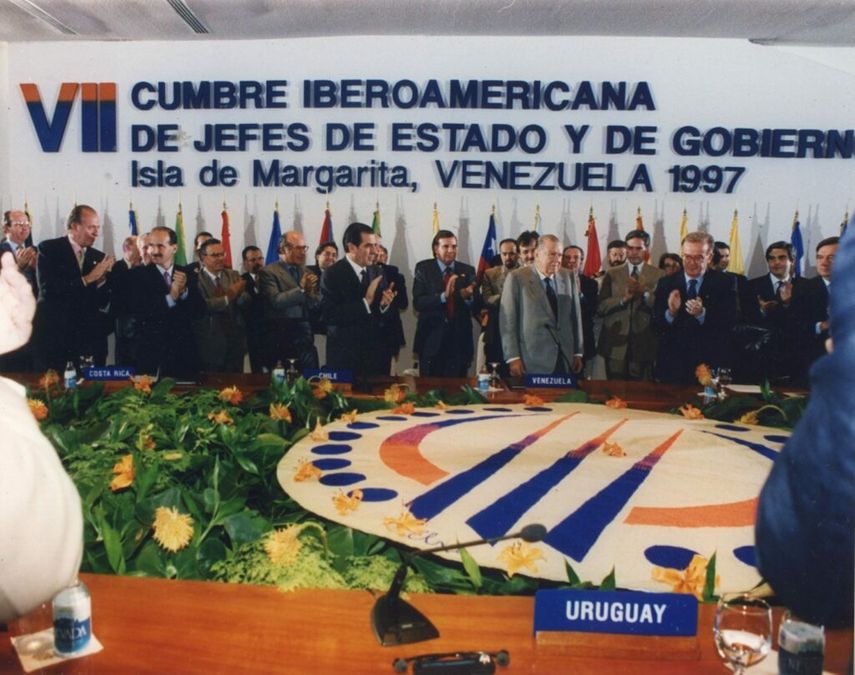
[(395, 621)]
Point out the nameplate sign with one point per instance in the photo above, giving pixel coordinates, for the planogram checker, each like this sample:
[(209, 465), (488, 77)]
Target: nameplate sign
[(616, 612), (535, 381), (108, 373), (337, 376)]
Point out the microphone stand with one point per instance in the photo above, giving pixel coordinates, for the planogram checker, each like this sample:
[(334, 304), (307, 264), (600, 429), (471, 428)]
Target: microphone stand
[(395, 621)]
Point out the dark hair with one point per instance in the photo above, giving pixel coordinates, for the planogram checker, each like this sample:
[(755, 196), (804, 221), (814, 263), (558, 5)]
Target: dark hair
[(578, 248), (669, 256), (7, 219), (385, 250), (76, 215), (509, 241), (527, 238), (718, 247), (203, 249), (325, 245), (173, 238), (200, 234), (353, 234), (638, 234), (247, 249), (442, 234), (617, 243), (828, 241), (787, 246)]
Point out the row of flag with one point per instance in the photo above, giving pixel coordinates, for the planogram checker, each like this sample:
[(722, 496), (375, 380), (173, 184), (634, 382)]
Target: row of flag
[(593, 256)]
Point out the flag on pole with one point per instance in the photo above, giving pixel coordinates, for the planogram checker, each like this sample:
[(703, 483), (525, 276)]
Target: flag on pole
[(845, 223), (490, 247), (326, 228), (737, 262), (132, 219), (181, 252), (639, 221), (28, 242), (798, 245), (375, 223), (537, 219), (275, 236), (684, 225), (593, 261), (435, 222), (226, 237)]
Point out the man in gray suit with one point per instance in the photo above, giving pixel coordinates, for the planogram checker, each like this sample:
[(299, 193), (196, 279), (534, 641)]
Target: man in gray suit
[(627, 340), (540, 315), (221, 333), (290, 292)]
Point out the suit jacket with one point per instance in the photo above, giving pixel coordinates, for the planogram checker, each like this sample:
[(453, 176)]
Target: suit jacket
[(255, 321), (391, 327), (166, 340), (433, 324), (71, 318), (491, 295), (221, 334), (530, 330), (285, 299), (685, 343), (810, 307), (353, 332), (29, 273), (589, 301), (628, 331)]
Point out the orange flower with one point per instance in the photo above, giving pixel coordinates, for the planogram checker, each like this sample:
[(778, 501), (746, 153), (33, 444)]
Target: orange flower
[(404, 409), (124, 470), (350, 417), (49, 380), (690, 412), (521, 555), (616, 403), (395, 394), (142, 383), (748, 418), (221, 417), (532, 400), (148, 443), (280, 412), (613, 450), (38, 408), (346, 503), (690, 580), (321, 388), (319, 433), (306, 470), (442, 405), (406, 523), (231, 395), (704, 375)]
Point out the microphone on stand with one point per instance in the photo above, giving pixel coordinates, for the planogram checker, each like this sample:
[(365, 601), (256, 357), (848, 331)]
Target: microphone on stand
[(396, 622)]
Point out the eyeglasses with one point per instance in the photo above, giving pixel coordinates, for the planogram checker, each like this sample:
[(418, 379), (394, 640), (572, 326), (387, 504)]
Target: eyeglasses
[(297, 248), (19, 223), (693, 258)]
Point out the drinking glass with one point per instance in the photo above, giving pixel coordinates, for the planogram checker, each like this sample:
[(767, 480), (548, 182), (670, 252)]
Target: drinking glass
[(495, 381), (725, 376), (742, 630)]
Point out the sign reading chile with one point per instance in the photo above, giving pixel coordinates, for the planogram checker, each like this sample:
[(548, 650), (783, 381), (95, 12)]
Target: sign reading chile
[(97, 115)]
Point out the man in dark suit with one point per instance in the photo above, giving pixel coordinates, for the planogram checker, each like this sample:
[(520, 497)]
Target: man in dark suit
[(71, 314), (573, 260), (693, 312), (16, 227), (253, 311), (325, 256), (125, 325), (165, 300), (391, 326), (354, 297), (445, 297), (810, 308)]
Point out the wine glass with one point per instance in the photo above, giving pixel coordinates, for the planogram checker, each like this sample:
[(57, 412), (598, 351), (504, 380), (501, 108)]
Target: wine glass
[(743, 630), (292, 373), (495, 381), (725, 376)]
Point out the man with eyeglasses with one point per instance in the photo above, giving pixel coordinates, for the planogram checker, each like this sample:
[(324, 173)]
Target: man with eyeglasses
[(221, 333), (693, 312), (291, 292), (627, 339), (16, 227)]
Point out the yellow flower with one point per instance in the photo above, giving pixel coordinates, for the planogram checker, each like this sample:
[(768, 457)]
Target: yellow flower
[(532, 400), (124, 470), (306, 470), (616, 402), (691, 580), (38, 408), (405, 524), (613, 450), (49, 380), (319, 433), (143, 383), (231, 395), (280, 412), (704, 375), (395, 394), (442, 405), (350, 417), (172, 456), (690, 412), (283, 546), (172, 530), (321, 388), (520, 555), (345, 503), (748, 418), (404, 409), (221, 417)]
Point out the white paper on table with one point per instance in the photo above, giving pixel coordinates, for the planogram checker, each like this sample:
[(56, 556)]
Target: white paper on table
[(36, 650)]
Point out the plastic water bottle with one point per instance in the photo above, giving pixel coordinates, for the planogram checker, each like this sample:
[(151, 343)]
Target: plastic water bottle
[(483, 380), (70, 376), (72, 619), (279, 372)]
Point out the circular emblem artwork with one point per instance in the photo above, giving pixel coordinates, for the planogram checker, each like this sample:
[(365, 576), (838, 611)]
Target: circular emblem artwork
[(650, 495)]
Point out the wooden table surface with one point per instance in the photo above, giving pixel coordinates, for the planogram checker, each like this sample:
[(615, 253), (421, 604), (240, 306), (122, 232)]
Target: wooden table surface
[(169, 626)]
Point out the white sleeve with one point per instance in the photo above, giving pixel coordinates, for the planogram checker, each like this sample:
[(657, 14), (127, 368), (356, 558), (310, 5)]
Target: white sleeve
[(41, 521)]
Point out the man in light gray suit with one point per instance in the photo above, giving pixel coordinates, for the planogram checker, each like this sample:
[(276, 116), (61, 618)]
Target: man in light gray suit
[(540, 315), (221, 333)]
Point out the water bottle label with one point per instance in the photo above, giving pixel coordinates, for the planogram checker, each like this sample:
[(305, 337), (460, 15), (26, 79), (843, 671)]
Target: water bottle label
[(71, 634)]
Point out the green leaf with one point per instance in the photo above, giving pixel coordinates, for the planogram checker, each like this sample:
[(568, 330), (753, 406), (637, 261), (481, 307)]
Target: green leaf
[(573, 396), (210, 551), (340, 541), (572, 577), (113, 546), (144, 483), (245, 527), (709, 582), (608, 584), (471, 567), (247, 464), (150, 560)]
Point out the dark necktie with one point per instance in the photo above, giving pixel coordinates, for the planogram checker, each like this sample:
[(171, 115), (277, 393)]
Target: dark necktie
[(778, 285), (693, 289), (550, 295), (363, 279), (634, 273), (295, 273), (449, 300), (167, 278)]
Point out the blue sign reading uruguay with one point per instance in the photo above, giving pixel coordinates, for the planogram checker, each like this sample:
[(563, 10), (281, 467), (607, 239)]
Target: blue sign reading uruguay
[(621, 612), (535, 381)]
